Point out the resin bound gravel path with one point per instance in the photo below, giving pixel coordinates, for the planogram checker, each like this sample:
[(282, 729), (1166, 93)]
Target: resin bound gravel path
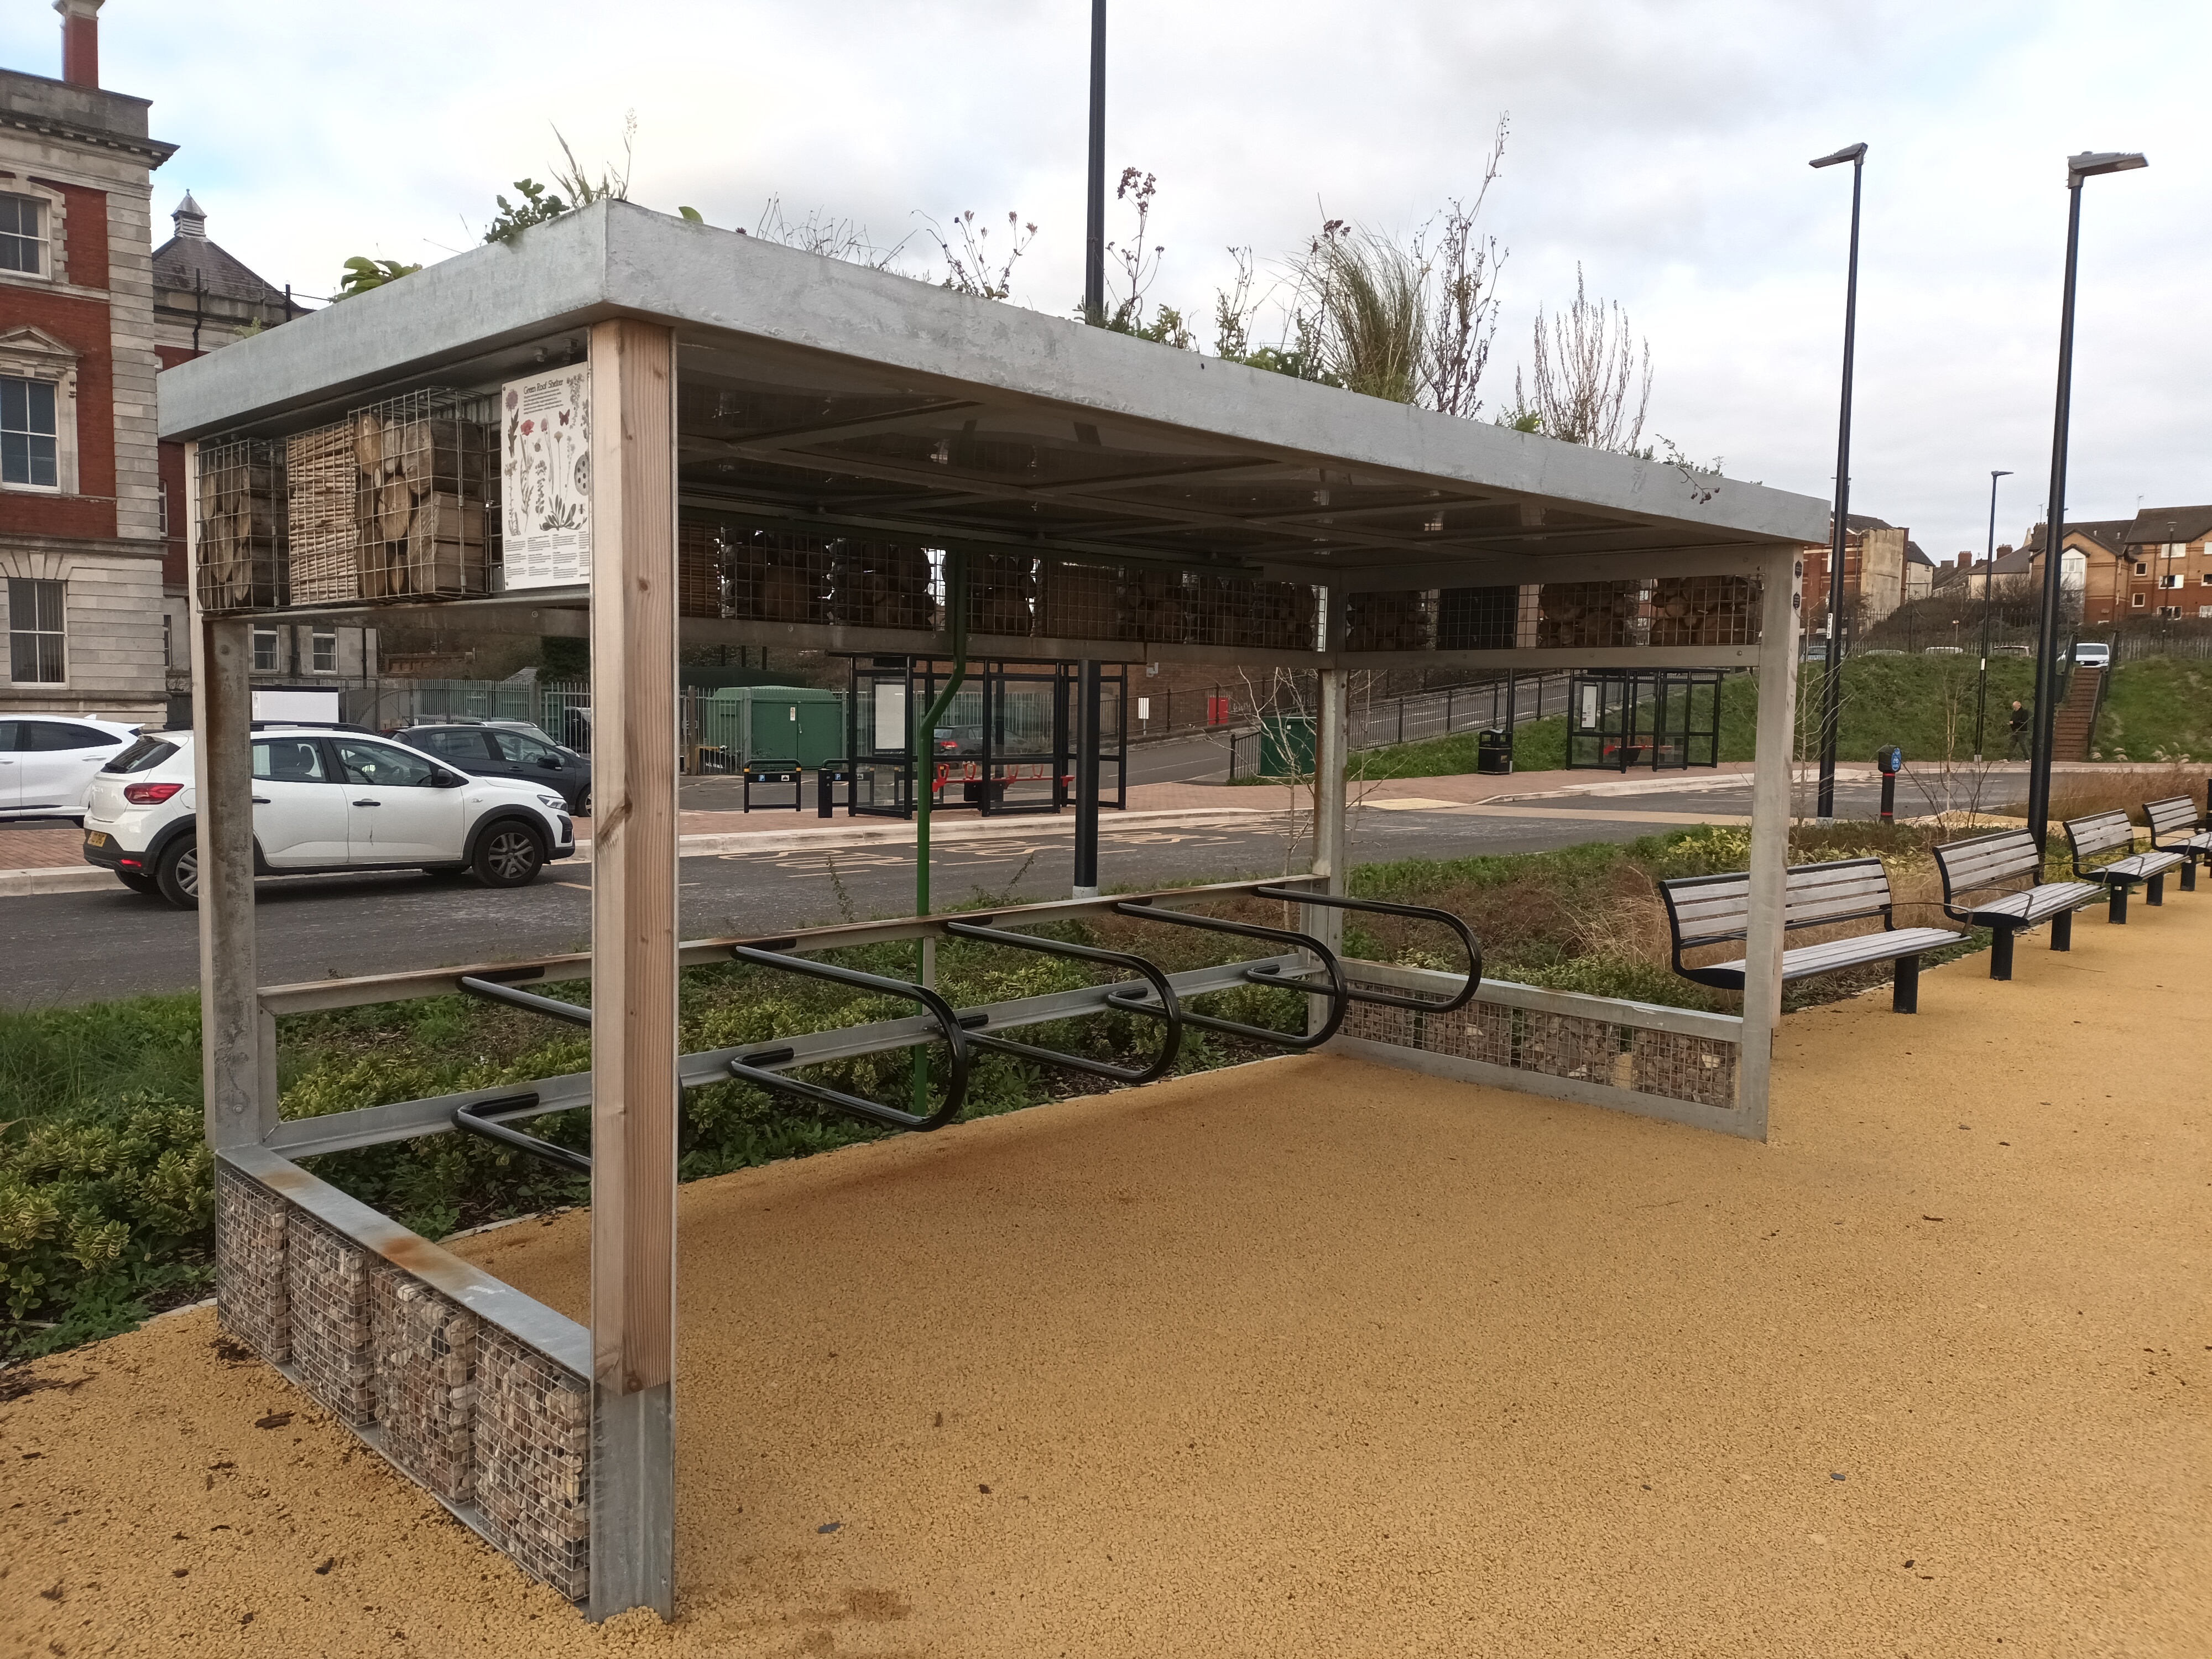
[(1314, 1358)]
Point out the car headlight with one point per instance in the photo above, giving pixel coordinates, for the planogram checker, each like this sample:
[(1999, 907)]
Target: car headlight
[(553, 801)]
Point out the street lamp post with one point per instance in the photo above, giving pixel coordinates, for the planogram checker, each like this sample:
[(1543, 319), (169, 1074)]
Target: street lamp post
[(2086, 165), (1989, 580), (1832, 681), (1094, 228)]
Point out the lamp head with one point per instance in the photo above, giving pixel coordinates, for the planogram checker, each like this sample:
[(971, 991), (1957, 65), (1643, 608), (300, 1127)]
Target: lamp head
[(1849, 153), (2091, 162), (1995, 474)]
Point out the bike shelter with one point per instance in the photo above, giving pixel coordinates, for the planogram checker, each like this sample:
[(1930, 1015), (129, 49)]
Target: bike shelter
[(773, 448)]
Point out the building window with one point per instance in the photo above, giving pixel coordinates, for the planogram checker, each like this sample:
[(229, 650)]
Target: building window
[(265, 659), (30, 450), (2172, 578), (164, 505), (2136, 600), (2142, 568), (2204, 610), (325, 643), (2169, 613), (168, 655), (22, 236), (34, 631)]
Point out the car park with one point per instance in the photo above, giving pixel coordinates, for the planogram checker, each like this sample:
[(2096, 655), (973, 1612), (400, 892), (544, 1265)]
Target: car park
[(325, 799), (507, 749), (47, 763)]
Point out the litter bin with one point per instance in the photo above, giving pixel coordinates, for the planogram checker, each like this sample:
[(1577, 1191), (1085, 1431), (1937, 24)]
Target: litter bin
[(1493, 751), (1286, 745)]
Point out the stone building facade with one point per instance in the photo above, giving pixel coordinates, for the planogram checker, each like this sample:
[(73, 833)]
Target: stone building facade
[(81, 508)]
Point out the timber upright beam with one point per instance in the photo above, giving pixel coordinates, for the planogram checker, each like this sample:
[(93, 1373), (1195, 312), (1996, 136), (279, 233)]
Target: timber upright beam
[(237, 1042), (633, 933), (1769, 835), (1332, 751)]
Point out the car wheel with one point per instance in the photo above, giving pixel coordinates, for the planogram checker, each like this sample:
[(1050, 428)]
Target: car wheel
[(509, 855), (178, 875), (137, 881), (582, 806)]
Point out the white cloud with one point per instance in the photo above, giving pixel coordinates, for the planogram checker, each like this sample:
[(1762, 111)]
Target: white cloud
[(1662, 143)]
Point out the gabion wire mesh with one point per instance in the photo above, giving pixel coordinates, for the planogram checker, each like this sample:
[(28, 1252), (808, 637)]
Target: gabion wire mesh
[(1672, 611), (321, 516), (1671, 1065), (240, 535), (1403, 621), (425, 1356), (424, 466), (533, 1429), (250, 1228), (1704, 610), (326, 1285)]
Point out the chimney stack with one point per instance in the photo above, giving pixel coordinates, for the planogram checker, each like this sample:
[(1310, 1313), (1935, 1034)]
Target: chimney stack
[(1966, 561), (80, 41)]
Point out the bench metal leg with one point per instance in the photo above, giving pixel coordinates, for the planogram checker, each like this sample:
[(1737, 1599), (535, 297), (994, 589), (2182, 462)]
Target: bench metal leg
[(2061, 930), (1904, 991), (2117, 910), (2001, 952), (2189, 875), (2155, 893)]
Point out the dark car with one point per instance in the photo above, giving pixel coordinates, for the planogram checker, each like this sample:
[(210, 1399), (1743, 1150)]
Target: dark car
[(504, 751)]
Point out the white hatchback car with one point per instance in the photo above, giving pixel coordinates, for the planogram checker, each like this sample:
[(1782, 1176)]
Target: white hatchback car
[(323, 799), (47, 762)]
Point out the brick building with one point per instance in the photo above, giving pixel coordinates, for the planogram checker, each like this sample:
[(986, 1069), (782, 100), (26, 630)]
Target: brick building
[(80, 530), (1883, 569), (2166, 564)]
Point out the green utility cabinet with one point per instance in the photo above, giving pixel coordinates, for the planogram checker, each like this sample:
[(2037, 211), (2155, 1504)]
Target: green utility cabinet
[(801, 723)]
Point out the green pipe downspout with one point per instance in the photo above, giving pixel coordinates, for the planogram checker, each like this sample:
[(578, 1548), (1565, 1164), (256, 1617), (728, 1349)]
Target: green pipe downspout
[(925, 761)]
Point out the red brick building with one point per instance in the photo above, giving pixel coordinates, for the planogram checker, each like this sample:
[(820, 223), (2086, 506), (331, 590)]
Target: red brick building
[(2166, 564), (81, 510)]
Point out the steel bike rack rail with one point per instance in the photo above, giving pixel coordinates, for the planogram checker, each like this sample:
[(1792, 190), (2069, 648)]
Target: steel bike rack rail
[(750, 1067), (491, 990), (1418, 913), (479, 1117), (1169, 1013), (1337, 990)]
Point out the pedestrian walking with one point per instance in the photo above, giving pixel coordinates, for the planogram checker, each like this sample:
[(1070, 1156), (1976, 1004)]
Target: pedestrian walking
[(2018, 750)]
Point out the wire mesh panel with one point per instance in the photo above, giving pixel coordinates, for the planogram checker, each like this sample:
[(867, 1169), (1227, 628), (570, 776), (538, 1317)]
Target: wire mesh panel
[(881, 585), (1704, 610), (1154, 605), (1567, 1045), (1086, 602), (702, 570), (425, 1381), (1592, 616), (321, 524), (424, 469), (1683, 1068), (1002, 592), (250, 1228), (775, 576), (326, 1284), (1478, 618), (1240, 610), (533, 1435), (1402, 621), (240, 534)]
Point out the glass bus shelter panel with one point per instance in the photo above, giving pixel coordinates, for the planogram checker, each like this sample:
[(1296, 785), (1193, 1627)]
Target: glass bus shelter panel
[(1669, 721)]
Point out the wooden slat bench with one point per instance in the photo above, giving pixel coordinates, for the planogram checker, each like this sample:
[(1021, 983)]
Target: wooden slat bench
[(1717, 910), (2176, 826), (2109, 835), (1996, 882)]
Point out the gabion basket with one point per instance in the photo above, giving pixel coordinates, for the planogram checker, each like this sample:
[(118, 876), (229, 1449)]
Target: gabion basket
[(240, 534), (423, 465), (319, 522)]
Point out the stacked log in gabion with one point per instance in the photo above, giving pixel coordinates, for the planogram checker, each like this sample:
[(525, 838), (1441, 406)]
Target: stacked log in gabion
[(1673, 1064), (497, 1430)]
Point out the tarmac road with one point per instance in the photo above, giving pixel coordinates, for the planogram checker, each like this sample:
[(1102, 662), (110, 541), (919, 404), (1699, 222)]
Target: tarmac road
[(85, 947)]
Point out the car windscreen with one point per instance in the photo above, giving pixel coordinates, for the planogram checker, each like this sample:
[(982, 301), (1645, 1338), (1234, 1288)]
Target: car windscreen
[(142, 756)]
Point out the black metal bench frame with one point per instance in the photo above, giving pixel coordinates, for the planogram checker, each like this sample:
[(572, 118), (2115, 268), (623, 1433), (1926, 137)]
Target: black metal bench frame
[(2179, 817), (2102, 832), (1816, 896), (1985, 863)]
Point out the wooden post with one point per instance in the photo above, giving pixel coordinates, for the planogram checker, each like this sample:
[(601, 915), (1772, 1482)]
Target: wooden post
[(1331, 752), (238, 1058), (1770, 834), (634, 933)]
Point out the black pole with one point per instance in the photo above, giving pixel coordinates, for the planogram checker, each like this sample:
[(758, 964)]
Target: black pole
[(1094, 249), (1989, 579), (2054, 537), (1832, 681), (1086, 781)]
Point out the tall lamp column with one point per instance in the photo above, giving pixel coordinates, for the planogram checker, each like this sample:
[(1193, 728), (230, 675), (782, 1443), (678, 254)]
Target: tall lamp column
[(2088, 165), (1832, 681)]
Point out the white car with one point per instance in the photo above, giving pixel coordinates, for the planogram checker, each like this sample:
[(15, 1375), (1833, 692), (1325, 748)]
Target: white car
[(324, 798), (2092, 653), (47, 762)]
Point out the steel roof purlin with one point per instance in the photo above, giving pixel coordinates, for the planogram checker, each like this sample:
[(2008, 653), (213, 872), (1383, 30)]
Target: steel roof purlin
[(822, 392)]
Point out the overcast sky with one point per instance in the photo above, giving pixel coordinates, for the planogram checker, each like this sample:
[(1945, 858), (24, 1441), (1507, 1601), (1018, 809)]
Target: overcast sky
[(1662, 145)]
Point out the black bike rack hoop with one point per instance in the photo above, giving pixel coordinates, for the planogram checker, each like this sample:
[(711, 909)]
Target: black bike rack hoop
[(1337, 990), (490, 990), (1169, 1013), (1418, 913), (753, 1068), (477, 1118)]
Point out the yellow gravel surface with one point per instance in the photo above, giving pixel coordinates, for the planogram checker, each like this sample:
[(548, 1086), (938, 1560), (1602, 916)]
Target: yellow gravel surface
[(1314, 1358)]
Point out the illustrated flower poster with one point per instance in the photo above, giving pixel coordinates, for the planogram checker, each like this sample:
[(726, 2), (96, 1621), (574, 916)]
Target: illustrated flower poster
[(545, 467)]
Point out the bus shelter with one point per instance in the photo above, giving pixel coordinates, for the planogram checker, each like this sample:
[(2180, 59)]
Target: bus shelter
[(643, 431)]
